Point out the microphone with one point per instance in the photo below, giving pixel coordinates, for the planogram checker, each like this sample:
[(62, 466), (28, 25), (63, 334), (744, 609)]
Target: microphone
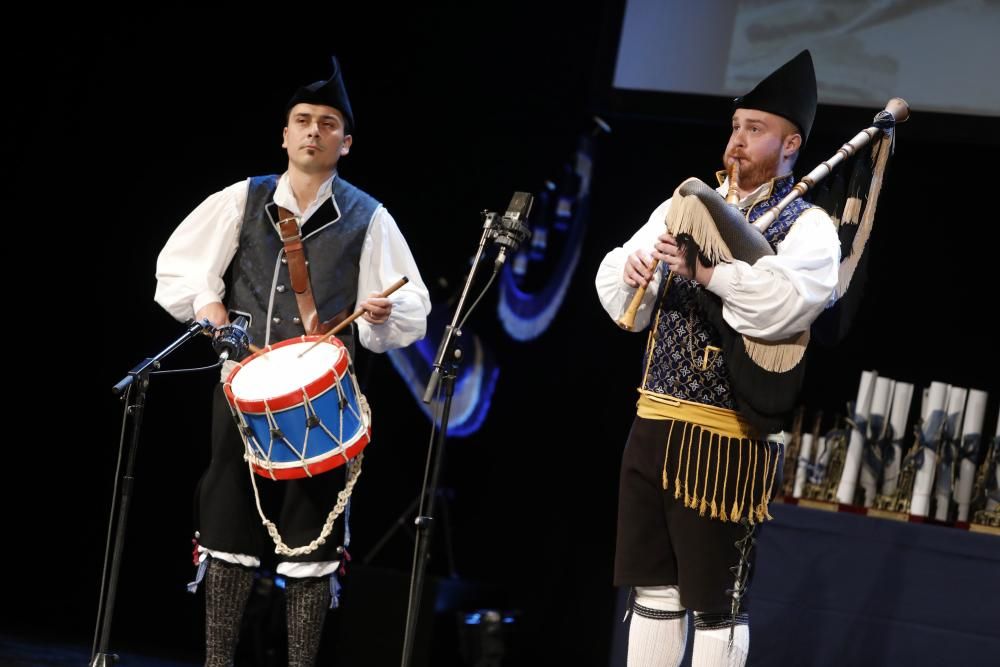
[(512, 229), (231, 341)]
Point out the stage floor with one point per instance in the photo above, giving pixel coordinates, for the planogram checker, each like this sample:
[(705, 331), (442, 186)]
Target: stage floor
[(22, 652)]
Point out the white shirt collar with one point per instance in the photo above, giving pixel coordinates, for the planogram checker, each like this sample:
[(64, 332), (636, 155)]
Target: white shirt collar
[(761, 192), (284, 197)]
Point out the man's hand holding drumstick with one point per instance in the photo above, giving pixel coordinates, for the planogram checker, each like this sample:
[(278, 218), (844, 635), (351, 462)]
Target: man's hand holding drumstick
[(375, 309)]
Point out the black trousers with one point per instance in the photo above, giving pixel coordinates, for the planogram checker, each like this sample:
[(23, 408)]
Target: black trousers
[(660, 541)]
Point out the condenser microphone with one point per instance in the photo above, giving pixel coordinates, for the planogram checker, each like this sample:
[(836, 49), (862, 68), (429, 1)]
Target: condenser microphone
[(231, 341), (512, 230)]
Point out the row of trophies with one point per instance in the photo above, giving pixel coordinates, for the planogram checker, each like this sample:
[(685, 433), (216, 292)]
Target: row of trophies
[(949, 471)]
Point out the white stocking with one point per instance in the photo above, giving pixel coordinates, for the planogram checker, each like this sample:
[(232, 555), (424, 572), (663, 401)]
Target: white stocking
[(658, 631), (711, 644)]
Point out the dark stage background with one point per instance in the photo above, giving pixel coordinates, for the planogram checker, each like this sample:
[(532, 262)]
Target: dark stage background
[(456, 109)]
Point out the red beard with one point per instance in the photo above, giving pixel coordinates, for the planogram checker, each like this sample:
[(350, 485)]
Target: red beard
[(754, 173)]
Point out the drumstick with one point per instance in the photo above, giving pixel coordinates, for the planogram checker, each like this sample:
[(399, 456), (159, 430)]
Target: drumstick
[(356, 314)]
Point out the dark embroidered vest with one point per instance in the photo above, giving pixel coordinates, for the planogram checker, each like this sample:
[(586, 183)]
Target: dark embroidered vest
[(680, 334), (333, 237)]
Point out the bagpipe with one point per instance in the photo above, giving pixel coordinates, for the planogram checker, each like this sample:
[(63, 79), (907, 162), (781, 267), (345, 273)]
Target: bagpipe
[(767, 375)]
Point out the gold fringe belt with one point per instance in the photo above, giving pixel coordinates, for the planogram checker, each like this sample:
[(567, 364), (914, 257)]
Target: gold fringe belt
[(721, 444)]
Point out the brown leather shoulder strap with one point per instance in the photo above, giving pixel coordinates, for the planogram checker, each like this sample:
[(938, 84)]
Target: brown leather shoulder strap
[(298, 272)]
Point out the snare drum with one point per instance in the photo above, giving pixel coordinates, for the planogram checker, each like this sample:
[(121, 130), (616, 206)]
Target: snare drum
[(299, 416)]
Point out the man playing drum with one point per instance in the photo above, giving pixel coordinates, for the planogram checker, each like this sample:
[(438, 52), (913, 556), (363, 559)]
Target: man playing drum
[(696, 472), (294, 253)]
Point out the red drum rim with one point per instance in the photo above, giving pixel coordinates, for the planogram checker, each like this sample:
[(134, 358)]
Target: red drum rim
[(292, 398), (329, 461)]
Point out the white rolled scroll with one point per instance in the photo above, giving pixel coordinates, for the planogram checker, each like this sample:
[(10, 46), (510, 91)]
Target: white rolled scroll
[(822, 461), (877, 425), (933, 416), (950, 433), (972, 436), (805, 451), (991, 503), (902, 397), (852, 461)]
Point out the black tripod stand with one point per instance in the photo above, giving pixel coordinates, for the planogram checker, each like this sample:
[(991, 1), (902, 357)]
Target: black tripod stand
[(402, 523), (134, 387), (508, 232)]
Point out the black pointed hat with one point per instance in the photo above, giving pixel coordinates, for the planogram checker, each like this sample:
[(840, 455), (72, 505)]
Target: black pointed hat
[(331, 93), (789, 91)]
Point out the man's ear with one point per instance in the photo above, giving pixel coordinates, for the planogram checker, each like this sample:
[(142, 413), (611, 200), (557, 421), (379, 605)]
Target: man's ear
[(792, 143)]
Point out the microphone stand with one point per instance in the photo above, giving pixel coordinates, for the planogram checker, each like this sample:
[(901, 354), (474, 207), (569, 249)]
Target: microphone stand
[(135, 385), (444, 372)]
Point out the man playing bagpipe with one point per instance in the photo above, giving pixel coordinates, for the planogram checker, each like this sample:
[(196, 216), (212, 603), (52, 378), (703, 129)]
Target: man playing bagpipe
[(730, 308)]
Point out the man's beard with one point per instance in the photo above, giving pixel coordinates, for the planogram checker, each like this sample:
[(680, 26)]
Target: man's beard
[(753, 173)]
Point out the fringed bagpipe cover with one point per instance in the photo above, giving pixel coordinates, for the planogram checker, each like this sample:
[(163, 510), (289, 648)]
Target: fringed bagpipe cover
[(767, 376)]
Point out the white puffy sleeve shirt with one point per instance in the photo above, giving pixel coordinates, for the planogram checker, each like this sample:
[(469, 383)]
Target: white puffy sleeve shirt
[(190, 268), (776, 297)]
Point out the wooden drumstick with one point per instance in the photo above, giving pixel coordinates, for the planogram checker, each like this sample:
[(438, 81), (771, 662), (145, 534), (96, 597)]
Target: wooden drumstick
[(356, 314)]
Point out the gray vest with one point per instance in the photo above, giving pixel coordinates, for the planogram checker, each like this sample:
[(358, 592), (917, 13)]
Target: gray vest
[(258, 275)]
